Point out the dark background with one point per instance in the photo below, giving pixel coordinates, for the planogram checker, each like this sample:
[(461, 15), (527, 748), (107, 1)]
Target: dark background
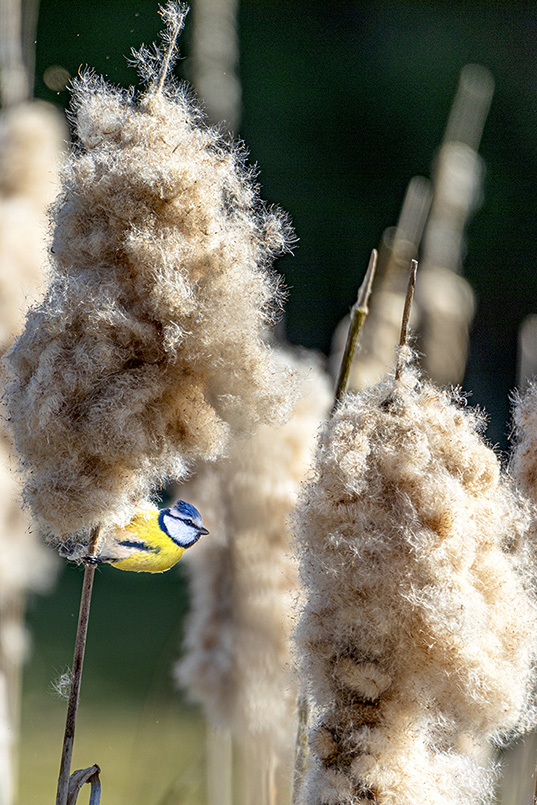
[(343, 103)]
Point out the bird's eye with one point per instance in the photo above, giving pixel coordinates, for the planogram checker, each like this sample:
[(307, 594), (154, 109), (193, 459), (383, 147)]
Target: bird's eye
[(188, 522)]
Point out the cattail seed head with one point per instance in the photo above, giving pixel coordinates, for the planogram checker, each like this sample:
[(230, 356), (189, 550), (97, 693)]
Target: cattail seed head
[(147, 350), (244, 590), (418, 631), (523, 463)]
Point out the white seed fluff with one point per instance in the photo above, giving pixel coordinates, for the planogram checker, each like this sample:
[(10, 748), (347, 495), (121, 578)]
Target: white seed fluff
[(418, 636), (147, 350)]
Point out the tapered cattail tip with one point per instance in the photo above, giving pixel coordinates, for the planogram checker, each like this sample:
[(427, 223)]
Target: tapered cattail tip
[(366, 287), (403, 351), (173, 15)]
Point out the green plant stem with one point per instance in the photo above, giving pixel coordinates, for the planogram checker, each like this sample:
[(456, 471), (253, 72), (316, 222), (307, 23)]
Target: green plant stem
[(76, 675), (359, 312)]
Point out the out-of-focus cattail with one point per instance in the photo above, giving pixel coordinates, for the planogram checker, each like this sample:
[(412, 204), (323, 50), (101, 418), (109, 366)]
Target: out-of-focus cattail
[(147, 349), (381, 328), (518, 783), (244, 580), (444, 298), (418, 636), (31, 139), (523, 463), (214, 60), (432, 221), (527, 351)]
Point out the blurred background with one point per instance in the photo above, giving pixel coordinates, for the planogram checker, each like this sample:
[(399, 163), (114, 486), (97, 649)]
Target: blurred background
[(342, 104)]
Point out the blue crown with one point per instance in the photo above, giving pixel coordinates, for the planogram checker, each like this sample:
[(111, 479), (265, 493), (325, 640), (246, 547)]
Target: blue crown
[(186, 509)]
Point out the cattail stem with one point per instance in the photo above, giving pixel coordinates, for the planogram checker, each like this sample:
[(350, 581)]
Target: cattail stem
[(359, 312), (10, 694), (79, 778), (76, 678), (405, 324), (271, 779), (301, 755), (174, 27), (219, 766)]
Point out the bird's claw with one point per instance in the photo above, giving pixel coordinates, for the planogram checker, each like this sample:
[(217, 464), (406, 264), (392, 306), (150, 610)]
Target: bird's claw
[(92, 560)]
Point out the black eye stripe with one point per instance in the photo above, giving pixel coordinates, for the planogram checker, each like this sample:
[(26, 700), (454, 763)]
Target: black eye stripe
[(181, 519)]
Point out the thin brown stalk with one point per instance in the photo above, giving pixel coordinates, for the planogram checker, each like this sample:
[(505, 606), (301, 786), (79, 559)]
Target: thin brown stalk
[(405, 324), (359, 312), (76, 678), (173, 31)]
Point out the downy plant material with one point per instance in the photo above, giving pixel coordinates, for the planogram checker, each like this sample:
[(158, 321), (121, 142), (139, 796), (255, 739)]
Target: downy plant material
[(418, 636), (243, 580), (523, 463), (31, 138), (147, 349)]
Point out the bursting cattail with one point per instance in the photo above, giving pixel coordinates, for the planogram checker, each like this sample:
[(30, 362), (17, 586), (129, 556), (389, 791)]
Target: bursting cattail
[(147, 349), (418, 632), (237, 660), (523, 464), (237, 652)]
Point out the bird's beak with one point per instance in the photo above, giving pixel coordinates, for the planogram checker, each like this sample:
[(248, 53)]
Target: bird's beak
[(202, 531)]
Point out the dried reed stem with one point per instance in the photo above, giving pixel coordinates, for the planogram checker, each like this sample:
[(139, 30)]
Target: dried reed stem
[(79, 778), (219, 766), (301, 752), (11, 620), (76, 678), (272, 788), (175, 18), (358, 313), (405, 324)]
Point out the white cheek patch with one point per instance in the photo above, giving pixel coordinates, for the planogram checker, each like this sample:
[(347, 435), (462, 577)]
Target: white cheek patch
[(182, 534)]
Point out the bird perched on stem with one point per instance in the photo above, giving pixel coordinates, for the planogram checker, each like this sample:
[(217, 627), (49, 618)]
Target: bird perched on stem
[(152, 542)]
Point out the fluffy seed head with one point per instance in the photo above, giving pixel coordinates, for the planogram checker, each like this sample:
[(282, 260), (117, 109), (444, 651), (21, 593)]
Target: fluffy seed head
[(148, 347), (244, 589), (524, 458), (418, 632)]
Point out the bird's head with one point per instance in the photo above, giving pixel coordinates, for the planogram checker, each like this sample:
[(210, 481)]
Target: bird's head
[(182, 523)]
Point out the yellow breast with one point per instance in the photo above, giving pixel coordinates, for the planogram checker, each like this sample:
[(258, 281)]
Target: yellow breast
[(148, 548)]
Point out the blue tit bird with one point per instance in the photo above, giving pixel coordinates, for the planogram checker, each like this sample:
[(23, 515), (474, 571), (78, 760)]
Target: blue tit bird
[(154, 540)]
